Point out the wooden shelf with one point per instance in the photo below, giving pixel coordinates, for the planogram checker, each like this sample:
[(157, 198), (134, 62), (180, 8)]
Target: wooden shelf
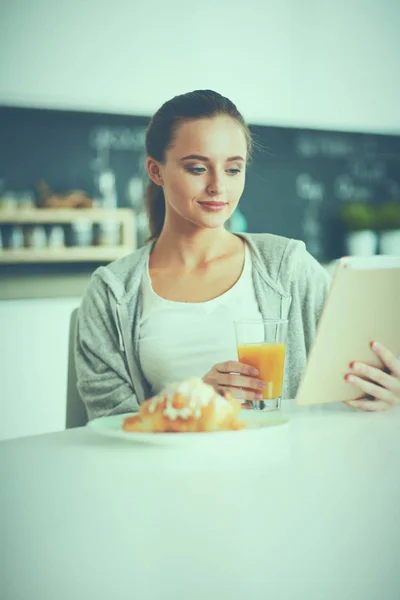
[(66, 255), (69, 254), (66, 216)]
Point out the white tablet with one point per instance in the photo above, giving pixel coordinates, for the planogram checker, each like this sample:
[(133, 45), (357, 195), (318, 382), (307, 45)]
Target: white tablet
[(363, 305)]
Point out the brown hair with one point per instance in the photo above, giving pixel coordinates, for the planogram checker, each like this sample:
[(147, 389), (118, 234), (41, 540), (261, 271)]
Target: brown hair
[(200, 104)]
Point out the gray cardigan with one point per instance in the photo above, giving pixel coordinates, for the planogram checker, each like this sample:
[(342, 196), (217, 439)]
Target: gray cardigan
[(288, 281)]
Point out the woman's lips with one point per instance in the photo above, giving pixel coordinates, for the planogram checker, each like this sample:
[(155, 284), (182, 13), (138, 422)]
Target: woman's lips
[(213, 206)]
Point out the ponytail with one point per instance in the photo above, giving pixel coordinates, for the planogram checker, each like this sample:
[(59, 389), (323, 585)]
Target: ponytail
[(155, 207)]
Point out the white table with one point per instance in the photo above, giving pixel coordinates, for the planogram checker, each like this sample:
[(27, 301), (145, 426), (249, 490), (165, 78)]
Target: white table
[(308, 510)]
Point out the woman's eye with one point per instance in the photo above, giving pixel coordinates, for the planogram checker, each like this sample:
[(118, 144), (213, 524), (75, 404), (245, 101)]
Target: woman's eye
[(200, 170), (196, 170)]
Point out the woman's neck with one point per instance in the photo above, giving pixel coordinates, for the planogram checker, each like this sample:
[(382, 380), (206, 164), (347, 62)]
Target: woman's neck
[(194, 249)]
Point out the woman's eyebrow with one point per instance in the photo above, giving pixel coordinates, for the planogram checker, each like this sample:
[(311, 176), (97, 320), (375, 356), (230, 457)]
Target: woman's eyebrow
[(205, 158)]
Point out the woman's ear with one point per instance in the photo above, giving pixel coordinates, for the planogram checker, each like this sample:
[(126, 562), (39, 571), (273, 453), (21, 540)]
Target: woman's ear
[(154, 171)]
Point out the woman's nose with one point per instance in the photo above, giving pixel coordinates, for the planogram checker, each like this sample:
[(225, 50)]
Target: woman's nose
[(216, 186)]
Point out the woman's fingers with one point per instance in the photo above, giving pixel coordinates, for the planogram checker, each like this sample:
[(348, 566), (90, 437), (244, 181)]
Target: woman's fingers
[(372, 389), (239, 380), (240, 393), (232, 380), (376, 375), (233, 366), (382, 385), (369, 405), (388, 358)]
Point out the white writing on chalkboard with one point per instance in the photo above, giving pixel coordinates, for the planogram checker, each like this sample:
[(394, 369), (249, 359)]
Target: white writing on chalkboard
[(106, 141), (309, 145), (117, 138), (312, 192), (309, 189), (345, 189), (372, 171), (312, 231)]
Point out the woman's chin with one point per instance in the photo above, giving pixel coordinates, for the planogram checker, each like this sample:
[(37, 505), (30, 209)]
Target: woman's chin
[(204, 220), (213, 220), (213, 223)]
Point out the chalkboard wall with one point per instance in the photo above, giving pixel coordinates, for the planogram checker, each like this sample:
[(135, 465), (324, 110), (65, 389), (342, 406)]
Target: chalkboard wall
[(295, 184)]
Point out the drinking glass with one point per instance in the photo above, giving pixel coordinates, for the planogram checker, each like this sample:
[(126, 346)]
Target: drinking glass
[(261, 343)]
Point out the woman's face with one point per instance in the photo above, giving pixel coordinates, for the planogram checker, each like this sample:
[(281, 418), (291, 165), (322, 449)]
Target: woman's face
[(203, 174)]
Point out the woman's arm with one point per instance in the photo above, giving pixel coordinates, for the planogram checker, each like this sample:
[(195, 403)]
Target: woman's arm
[(311, 283), (104, 382)]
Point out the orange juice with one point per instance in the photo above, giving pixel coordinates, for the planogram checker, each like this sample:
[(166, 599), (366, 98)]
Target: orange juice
[(269, 359)]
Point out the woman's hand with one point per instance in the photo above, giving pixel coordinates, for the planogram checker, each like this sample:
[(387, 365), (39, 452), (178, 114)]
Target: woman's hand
[(239, 380), (381, 385)]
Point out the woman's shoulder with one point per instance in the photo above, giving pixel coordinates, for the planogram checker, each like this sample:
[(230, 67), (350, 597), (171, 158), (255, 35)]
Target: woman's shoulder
[(124, 266), (122, 275), (284, 259), (273, 246), (274, 251)]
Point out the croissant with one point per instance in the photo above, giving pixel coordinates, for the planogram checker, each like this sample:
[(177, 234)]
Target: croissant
[(187, 406)]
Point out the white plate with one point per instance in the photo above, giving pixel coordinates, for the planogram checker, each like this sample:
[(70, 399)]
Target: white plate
[(256, 421)]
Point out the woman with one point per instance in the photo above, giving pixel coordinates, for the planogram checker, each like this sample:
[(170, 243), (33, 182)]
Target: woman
[(166, 311)]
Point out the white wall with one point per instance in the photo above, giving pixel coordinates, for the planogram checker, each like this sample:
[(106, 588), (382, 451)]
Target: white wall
[(315, 63), (33, 359), (311, 63)]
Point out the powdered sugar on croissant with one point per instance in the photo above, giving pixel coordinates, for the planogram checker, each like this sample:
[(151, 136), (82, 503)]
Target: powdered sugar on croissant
[(187, 406)]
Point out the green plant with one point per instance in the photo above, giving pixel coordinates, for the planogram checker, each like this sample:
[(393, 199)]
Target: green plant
[(389, 215), (357, 216)]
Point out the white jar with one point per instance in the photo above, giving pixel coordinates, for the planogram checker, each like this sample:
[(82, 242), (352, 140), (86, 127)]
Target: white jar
[(35, 236), (389, 242), (56, 236), (82, 233), (362, 243), (109, 233), (16, 239)]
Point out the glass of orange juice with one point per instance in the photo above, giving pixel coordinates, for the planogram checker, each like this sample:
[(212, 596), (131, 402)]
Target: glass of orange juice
[(261, 343)]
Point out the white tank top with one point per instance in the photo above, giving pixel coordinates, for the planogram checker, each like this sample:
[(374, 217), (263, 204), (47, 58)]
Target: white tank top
[(184, 339)]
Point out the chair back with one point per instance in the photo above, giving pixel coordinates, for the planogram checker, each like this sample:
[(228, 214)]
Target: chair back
[(76, 415)]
